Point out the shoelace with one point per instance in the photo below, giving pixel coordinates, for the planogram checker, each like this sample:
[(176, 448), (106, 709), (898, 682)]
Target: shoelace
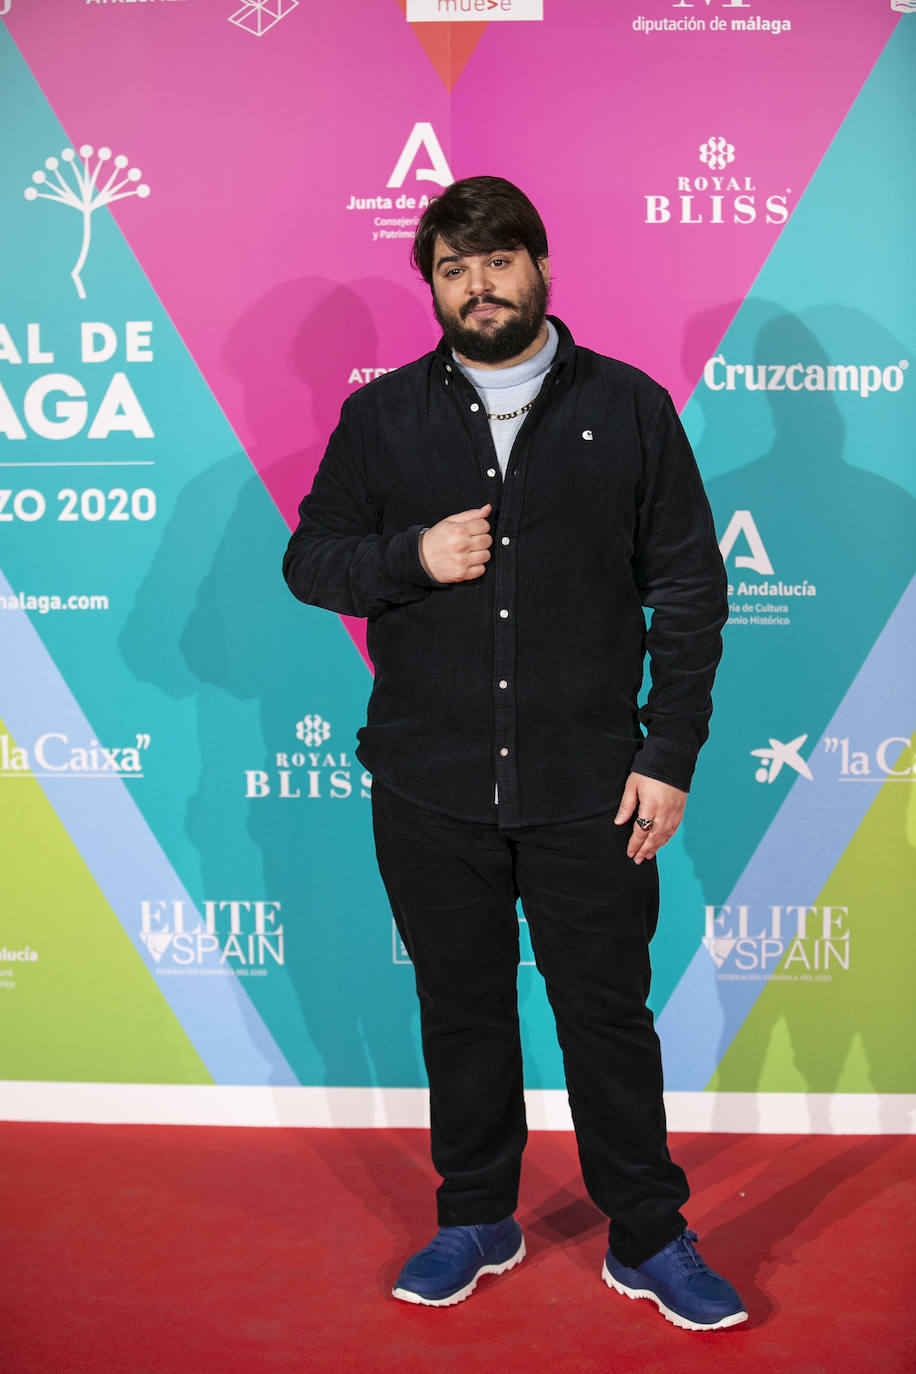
[(684, 1254), (452, 1240)]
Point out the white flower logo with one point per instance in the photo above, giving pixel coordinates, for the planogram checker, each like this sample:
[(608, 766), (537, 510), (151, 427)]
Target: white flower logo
[(85, 195)]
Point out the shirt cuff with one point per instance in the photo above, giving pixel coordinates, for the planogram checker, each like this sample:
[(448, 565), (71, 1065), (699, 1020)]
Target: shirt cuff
[(660, 760)]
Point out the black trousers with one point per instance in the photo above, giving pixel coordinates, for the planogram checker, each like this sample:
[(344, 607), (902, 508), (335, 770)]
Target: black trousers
[(591, 912)]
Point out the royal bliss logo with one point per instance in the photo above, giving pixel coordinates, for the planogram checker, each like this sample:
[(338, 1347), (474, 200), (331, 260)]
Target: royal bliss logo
[(309, 771), (718, 195)]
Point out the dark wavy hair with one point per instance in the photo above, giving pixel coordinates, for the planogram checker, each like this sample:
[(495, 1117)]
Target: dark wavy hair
[(477, 215)]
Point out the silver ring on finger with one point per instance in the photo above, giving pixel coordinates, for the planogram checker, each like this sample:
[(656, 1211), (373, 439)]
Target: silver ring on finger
[(644, 823)]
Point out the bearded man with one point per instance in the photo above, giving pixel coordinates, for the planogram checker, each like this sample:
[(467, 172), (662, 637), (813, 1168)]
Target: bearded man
[(502, 511)]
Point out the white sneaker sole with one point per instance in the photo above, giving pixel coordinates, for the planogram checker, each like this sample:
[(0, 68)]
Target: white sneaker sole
[(674, 1317), (406, 1295)]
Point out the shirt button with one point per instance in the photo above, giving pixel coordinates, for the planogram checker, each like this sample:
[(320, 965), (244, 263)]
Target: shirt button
[(503, 682), (448, 367), (505, 539), (504, 615), (504, 753), (491, 472), (474, 405)]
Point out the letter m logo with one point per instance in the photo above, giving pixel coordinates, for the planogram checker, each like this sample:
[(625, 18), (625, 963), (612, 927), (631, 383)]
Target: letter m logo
[(757, 558), (422, 135)]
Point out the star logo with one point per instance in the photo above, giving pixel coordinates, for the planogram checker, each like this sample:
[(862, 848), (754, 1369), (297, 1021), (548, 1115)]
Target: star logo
[(780, 755)]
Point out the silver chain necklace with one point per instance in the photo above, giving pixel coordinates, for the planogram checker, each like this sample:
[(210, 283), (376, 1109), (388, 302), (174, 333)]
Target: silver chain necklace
[(513, 414)]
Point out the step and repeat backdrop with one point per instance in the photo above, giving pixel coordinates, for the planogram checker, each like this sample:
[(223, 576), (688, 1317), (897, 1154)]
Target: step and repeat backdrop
[(206, 216)]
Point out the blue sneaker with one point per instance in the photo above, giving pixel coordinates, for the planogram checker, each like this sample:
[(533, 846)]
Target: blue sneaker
[(447, 1270), (683, 1287)]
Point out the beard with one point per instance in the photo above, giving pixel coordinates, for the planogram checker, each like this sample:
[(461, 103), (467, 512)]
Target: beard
[(489, 342)]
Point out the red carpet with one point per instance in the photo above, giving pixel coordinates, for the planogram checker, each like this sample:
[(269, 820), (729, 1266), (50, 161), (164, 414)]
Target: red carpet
[(156, 1250)]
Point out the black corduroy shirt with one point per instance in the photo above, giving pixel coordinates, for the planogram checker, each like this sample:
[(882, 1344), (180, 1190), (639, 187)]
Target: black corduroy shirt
[(527, 677)]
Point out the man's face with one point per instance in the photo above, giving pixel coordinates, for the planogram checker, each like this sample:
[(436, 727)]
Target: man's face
[(491, 306)]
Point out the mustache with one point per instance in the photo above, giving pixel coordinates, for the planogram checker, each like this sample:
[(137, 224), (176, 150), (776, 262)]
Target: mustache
[(473, 303)]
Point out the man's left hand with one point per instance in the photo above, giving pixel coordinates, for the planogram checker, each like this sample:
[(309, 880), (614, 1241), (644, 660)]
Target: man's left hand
[(653, 801)]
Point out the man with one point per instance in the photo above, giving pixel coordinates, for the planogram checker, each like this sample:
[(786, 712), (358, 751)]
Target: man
[(502, 510)]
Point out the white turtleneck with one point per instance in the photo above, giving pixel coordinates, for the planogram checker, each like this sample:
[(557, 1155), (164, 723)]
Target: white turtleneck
[(505, 389)]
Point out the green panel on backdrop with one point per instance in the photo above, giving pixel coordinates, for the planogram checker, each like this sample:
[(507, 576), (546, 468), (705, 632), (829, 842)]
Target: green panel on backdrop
[(86, 1010), (824, 1036)]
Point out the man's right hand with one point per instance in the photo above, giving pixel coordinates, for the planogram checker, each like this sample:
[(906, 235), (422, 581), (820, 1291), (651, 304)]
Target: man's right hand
[(458, 548)]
